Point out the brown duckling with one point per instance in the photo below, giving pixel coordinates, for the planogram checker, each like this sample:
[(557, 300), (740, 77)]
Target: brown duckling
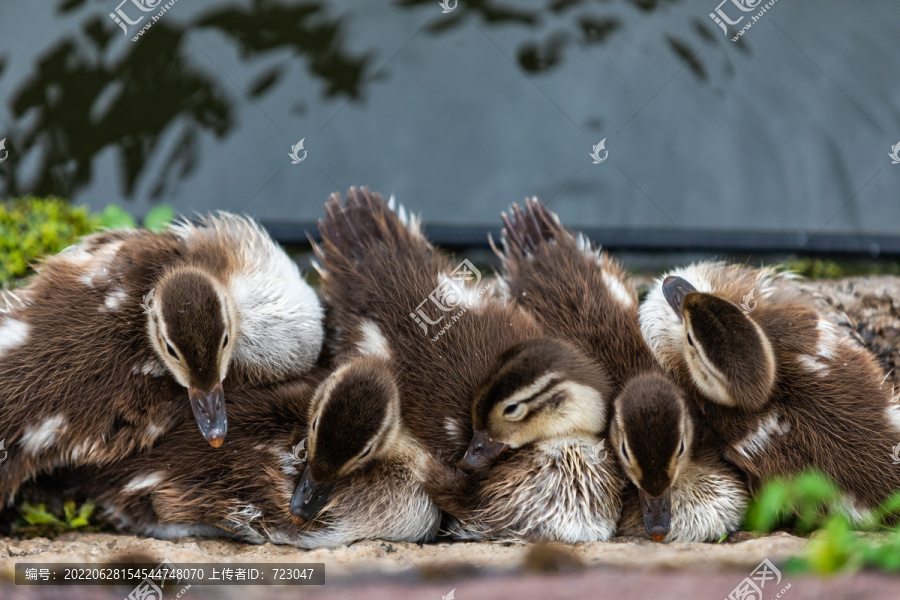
[(779, 384), (581, 294), (357, 464), (378, 271), (103, 348)]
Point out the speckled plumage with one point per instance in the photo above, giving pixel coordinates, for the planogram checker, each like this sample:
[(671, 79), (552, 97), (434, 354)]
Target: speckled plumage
[(82, 382), (822, 402), (244, 489), (581, 294)]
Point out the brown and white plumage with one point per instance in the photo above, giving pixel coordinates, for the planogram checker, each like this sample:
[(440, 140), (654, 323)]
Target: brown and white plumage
[(782, 387), (244, 489), (581, 294), (100, 345), (377, 269)]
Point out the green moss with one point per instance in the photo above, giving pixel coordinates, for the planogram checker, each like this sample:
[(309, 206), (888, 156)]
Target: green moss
[(31, 228)]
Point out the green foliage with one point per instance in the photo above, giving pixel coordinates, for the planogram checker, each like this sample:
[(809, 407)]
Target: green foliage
[(815, 268), (114, 217), (34, 227), (811, 501), (40, 521), (31, 228), (159, 218)]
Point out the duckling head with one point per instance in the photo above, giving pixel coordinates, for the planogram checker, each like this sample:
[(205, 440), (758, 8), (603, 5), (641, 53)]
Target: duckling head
[(538, 389), (193, 326), (652, 432), (728, 356), (354, 419)]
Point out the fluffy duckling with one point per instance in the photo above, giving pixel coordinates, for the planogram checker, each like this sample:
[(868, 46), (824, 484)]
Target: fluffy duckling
[(683, 491), (776, 380), (544, 406), (377, 272), (357, 464), (581, 294), (102, 348)]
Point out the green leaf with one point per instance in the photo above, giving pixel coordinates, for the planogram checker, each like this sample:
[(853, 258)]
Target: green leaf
[(114, 217), (35, 515), (159, 218), (773, 502)]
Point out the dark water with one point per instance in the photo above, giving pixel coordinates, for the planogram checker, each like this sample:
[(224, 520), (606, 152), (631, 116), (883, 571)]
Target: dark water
[(461, 113)]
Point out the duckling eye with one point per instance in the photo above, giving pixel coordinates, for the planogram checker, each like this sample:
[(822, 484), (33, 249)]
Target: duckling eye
[(515, 411), (624, 452), (366, 453), (171, 351), (690, 341), (681, 449), (315, 422), (225, 341)]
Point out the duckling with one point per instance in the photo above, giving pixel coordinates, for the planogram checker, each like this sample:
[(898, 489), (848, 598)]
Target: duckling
[(683, 491), (777, 382), (109, 338), (340, 432), (537, 474), (581, 294), (377, 271)]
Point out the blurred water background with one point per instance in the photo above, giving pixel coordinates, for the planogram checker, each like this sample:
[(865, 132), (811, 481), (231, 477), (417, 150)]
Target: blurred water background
[(780, 139)]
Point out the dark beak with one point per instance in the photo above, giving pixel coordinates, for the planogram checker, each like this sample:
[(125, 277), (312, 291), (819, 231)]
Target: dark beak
[(657, 513), (482, 449), (209, 410), (675, 289), (309, 498)]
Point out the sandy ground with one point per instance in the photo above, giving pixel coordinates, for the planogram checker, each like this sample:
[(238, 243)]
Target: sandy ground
[(374, 570)]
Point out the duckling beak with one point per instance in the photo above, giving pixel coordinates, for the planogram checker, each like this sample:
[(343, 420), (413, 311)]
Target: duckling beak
[(482, 449), (675, 289), (209, 410), (657, 513), (309, 498)]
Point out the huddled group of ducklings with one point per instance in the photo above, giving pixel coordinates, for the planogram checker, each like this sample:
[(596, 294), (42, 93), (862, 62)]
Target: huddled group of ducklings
[(556, 407)]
